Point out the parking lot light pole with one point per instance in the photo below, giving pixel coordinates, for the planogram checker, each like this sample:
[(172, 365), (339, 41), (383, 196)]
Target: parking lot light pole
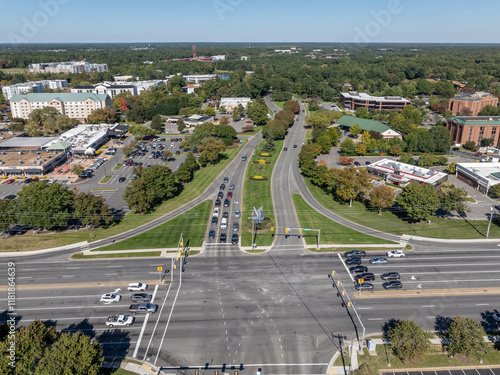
[(489, 224)]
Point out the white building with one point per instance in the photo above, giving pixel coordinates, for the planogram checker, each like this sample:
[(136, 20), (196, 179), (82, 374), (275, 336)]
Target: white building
[(122, 78), (114, 88), (230, 103), (218, 57), (197, 78), (77, 106), (481, 176), (33, 86), (86, 139), (402, 174), (68, 67)]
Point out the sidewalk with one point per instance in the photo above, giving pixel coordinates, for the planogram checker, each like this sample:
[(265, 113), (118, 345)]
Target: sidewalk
[(165, 252)]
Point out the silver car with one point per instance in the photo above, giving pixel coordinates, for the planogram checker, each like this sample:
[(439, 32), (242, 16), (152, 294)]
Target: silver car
[(237, 213), (236, 227)]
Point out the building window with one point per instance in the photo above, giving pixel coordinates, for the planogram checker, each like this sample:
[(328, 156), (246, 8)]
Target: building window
[(481, 133)]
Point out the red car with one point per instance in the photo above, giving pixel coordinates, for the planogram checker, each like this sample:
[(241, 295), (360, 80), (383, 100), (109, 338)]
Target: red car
[(249, 122), (10, 181), (230, 194)]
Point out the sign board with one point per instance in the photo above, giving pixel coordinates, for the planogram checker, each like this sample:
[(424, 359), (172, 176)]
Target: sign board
[(258, 215), (160, 269)]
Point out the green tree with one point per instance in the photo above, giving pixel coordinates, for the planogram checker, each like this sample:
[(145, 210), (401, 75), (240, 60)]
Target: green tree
[(77, 169), (183, 173), (470, 145), (495, 190), (355, 130), (351, 182), (486, 142), (361, 112), (381, 197), (361, 149), (156, 122), (452, 168), (347, 146), (105, 115), (419, 201), (210, 111), (258, 111), (325, 143), (268, 146), (286, 116), (467, 338), (91, 210), (409, 342), (6, 214), (181, 125), (274, 129), (191, 162), (314, 105), (210, 149), (453, 199), (141, 131), (427, 160)]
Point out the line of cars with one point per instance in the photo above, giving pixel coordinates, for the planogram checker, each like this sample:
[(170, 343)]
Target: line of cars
[(141, 305), (354, 260), (89, 172), (225, 215)]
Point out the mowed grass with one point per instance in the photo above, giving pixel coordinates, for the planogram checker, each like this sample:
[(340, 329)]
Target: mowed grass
[(398, 223), (120, 255), (331, 232), (257, 194), (279, 104), (191, 224), (202, 179)]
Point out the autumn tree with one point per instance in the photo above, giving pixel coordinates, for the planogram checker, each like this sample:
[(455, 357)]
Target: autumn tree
[(419, 201), (351, 182), (381, 197), (210, 148), (361, 149), (77, 169), (344, 160), (452, 167), (292, 105), (105, 115), (224, 121), (355, 130)]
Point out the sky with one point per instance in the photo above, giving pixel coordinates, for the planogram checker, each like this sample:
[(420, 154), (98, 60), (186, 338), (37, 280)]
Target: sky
[(346, 21)]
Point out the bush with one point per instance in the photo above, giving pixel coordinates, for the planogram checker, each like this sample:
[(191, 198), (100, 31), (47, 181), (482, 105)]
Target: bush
[(265, 154)]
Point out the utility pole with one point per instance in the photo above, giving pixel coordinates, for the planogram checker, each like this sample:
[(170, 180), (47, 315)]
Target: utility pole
[(489, 224)]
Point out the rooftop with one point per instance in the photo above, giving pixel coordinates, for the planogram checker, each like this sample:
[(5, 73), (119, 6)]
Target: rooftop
[(364, 124), (411, 172), (487, 174), (364, 96), (61, 97), (477, 120), (472, 95), (32, 142)]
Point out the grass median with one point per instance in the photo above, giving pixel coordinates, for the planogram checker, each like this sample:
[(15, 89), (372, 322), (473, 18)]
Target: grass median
[(258, 193), (191, 224), (331, 232), (398, 223), (202, 179)]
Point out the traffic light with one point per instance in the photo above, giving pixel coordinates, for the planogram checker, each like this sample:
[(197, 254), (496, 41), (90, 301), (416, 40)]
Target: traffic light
[(300, 230), (333, 273), (348, 303), (272, 229), (286, 230)]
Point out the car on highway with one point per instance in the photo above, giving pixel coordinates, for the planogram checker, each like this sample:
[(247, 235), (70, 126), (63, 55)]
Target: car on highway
[(211, 234), (353, 261), (231, 187), (222, 186), (367, 162), (120, 320), (244, 158), (285, 149), (234, 239), (367, 276), (10, 181), (225, 215), (390, 276), (394, 284), (217, 202), (226, 202), (237, 213), (378, 261), (396, 254), (141, 297), (226, 180), (122, 179), (215, 220), (364, 286), (220, 195), (230, 194), (357, 163), (358, 269), (355, 253), (110, 298), (143, 308), (216, 211), (223, 237), (137, 287), (10, 197), (294, 146), (236, 227)]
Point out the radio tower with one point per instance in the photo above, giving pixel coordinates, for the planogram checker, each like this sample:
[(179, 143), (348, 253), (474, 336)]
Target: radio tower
[(194, 52)]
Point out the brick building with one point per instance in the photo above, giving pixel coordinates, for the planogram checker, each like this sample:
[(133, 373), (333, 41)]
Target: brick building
[(474, 128), (471, 102), (355, 100)]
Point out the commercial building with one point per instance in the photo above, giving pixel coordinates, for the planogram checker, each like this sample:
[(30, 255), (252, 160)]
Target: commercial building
[(471, 103), (77, 106), (230, 103), (402, 174), (474, 128), (354, 100), (481, 176), (346, 122), (68, 67), (33, 86)]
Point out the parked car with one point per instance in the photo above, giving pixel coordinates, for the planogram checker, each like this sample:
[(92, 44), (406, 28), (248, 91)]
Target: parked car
[(394, 284), (211, 234), (396, 254), (225, 215), (357, 163), (10, 181), (367, 276), (367, 162), (236, 227), (378, 261), (355, 253), (122, 179), (390, 276), (353, 261), (358, 269), (10, 197), (18, 229), (110, 298), (137, 287), (364, 286)]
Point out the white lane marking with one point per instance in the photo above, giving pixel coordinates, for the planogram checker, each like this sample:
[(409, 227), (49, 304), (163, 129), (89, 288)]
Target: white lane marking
[(110, 274), (29, 269), (114, 266), (365, 308), (144, 325), (482, 304), (426, 306), (72, 268), (375, 319), (68, 275), (24, 277), (345, 266)]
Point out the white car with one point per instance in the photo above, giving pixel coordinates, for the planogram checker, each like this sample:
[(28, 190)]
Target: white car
[(396, 254), (216, 211), (120, 320), (52, 181), (137, 287), (110, 298)]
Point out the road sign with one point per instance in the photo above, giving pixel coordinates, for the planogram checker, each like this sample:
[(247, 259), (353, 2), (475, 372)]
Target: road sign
[(160, 269), (361, 281)]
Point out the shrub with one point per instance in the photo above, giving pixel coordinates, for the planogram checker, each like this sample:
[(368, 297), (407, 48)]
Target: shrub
[(258, 178), (265, 154)]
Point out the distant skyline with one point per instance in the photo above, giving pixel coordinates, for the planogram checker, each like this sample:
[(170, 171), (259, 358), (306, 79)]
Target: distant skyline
[(126, 21)]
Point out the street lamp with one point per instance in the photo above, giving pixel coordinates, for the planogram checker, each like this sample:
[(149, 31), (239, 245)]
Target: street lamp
[(489, 224)]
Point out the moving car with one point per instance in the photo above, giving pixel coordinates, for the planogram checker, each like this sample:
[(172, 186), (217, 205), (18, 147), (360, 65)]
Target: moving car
[(225, 215), (285, 149), (215, 220), (211, 234), (358, 269), (143, 308), (226, 202), (141, 297), (236, 227), (230, 194), (364, 286), (353, 261), (137, 287), (237, 213), (216, 211), (378, 261), (390, 276), (120, 320), (226, 180), (395, 284), (222, 186), (367, 162), (294, 146), (367, 276), (231, 187), (396, 254), (355, 253), (110, 298), (220, 195), (122, 179), (217, 202), (243, 158)]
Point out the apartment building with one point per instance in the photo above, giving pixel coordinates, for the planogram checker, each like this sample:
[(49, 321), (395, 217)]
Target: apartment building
[(474, 128), (73, 105), (68, 67), (471, 103), (32, 86), (354, 100), (114, 88)]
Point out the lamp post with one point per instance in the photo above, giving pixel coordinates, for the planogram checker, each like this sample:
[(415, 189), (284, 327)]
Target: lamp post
[(489, 224)]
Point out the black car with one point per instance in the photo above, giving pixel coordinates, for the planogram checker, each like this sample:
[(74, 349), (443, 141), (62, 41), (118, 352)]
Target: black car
[(225, 215), (217, 203), (177, 152), (367, 162), (28, 180), (364, 286), (394, 284), (220, 195), (357, 163), (122, 179), (367, 276), (222, 186), (285, 149), (294, 146), (226, 202), (234, 239), (18, 229), (215, 220), (355, 253), (223, 237), (353, 261), (226, 180), (358, 269), (390, 276), (211, 234), (10, 197)]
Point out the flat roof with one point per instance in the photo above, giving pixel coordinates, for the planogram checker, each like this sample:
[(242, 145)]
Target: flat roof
[(28, 158), (477, 120), (36, 142), (6, 135), (412, 172), (365, 96), (487, 174), (59, 96)]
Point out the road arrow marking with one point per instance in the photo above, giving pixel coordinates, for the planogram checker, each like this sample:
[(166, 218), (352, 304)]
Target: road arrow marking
[(116, 290), (419, 286), (413, 278)]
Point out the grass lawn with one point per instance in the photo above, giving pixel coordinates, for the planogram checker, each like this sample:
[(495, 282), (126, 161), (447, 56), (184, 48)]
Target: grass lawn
[(202, 179), (258, 193), (121, 255), (118, 371), (390, 222), (192, 224), (104, 179), (331, 232), (435, 358), (279, 104), (117, 166)]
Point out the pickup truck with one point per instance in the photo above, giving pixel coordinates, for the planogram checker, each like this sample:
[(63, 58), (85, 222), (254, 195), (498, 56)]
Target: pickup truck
[(141, 297), (119, 320), (143, 308)]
